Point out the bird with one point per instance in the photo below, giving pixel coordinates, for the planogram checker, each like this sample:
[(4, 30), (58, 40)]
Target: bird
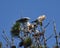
[(39, 20)]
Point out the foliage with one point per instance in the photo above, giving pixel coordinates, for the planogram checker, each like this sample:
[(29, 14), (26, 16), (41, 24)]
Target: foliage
[(15, 29)]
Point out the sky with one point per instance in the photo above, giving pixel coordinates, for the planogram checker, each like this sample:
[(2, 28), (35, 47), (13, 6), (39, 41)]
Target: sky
[(11, 10)]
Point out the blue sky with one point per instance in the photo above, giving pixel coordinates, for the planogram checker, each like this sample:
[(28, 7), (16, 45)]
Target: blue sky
[(11, 10)]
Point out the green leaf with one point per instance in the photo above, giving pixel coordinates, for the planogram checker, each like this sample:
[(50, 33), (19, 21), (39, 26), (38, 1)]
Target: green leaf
[(15, 29)]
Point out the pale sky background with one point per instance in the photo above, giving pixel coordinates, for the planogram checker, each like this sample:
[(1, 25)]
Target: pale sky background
[(11, 10)]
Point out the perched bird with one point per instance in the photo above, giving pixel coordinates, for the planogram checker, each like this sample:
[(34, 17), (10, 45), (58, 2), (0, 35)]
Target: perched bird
[(24, 24), (40, 19)]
